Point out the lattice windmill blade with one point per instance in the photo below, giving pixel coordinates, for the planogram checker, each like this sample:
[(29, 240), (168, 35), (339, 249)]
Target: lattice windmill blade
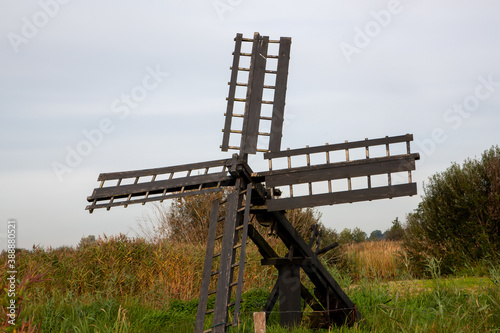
[(252, 117), (141, 186), (312, 174)]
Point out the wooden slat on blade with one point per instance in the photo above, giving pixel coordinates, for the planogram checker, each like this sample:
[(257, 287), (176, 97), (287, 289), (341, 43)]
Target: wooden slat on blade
[(155, 198), (342, 197), (160, 171), (280, 95), (106, 192), (342, 170), (340, 146)]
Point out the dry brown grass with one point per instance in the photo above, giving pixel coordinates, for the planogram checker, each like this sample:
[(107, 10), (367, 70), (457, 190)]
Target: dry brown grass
[(377, 259), (156, 273), (122, 267)]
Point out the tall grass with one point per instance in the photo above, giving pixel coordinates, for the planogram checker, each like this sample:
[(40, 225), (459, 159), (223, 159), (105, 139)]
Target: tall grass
[(373, 260), (129, 285), (119, 267)]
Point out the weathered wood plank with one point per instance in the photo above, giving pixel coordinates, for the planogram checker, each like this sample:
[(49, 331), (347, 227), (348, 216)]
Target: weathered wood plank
[(244, 236), (339, 146), (271, 300), (280, 95), (259, 322), (255, 89), (334, 198), (223, 291), (289, 295), (358, 168), (151, 199), (284, 261), (207, 267), (164, 170), (327, 248), (158, 186)]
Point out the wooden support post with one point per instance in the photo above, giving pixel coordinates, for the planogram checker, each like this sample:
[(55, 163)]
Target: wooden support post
[(207, 267), (223, 295), (289, 295), (259, 320)]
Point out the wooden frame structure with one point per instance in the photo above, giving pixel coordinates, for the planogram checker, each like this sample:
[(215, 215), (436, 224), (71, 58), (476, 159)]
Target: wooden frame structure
[(257, 197)]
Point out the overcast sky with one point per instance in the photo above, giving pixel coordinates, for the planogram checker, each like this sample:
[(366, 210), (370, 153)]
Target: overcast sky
[(362, 69)]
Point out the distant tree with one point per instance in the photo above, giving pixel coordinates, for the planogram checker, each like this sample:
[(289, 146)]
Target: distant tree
[(458, 220), (86, 241), (355, 235), (376, 235), (345, 236), (396, 232), (358, 235)]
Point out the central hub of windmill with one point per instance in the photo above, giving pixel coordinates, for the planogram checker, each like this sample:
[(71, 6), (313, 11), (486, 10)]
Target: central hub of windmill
[(296, 178)]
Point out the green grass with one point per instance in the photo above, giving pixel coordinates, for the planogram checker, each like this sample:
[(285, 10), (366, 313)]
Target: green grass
[(436, 305)]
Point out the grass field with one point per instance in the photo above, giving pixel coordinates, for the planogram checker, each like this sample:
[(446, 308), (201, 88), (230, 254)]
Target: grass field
[(122, 285)]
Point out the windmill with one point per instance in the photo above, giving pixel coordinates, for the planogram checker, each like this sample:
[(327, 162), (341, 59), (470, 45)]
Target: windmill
[(296, 178)]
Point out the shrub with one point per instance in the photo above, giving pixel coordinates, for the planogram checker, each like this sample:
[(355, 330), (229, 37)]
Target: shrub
[(458, 220)]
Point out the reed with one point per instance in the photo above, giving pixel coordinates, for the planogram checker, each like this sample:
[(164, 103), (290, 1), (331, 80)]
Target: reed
[(373, 260)]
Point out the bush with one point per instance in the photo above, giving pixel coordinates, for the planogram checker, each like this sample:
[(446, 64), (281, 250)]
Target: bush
[(396, 232), (185, 220), (458, 220)]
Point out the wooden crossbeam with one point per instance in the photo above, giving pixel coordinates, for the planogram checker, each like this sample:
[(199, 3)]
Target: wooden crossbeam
[(143, 200), (374, 193), (171, 185)]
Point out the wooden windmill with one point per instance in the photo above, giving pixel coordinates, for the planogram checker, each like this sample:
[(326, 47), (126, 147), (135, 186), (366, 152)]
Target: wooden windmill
[(263, 197)]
